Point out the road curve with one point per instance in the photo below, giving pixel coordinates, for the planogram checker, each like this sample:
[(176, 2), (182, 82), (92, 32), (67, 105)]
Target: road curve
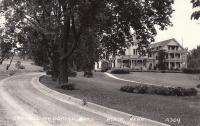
[(26, 106), (25, 102)]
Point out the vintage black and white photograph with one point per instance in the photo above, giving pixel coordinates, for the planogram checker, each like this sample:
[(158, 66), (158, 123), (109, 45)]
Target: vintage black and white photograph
[(99, 62)]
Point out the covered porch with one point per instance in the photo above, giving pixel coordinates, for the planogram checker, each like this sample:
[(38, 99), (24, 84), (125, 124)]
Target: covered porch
[(137, 64)]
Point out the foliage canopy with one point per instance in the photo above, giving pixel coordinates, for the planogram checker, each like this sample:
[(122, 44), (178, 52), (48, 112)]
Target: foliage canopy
[(59, 31)]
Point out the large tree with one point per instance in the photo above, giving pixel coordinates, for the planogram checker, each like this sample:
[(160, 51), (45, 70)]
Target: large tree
[(64, 27), (194, 58), (5, 50), (196, 13)]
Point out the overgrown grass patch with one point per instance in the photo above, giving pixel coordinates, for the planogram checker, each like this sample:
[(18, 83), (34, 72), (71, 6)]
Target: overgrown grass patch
[(159, 90)]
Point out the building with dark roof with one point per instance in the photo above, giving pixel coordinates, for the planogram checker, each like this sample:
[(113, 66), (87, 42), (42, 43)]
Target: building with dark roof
[(175, 57)]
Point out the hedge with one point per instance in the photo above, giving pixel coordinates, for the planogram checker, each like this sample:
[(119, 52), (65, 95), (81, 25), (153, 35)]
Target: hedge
[(69, 86), (191, 70), (120, 71), (167, 91)]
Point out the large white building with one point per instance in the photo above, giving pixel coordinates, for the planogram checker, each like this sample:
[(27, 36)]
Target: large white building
[(175, 58)]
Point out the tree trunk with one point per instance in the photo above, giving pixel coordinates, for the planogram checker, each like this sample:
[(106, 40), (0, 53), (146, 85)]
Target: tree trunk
[(63, 76), (1, 61), (8, 66), (88, 70), (88, 73)]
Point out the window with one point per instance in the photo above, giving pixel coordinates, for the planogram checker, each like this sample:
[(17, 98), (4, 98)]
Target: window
[(166, 56), (178, 55), (150, 55), (172, 55), (134, 51), (168, 47), (176, 47)]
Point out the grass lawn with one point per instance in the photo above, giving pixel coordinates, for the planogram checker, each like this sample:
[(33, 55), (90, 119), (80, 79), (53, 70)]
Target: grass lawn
[(165, 79), (105, 91), (27, 64)]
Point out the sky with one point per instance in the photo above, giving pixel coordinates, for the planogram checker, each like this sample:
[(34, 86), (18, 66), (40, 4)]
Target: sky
[(184, 30)]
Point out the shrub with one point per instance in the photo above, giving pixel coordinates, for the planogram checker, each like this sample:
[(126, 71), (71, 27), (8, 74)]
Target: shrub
[(178, 91), (49, 72), (120, 71), (12, 72), (17, 64), (191, 92), (163, 71), (167, 91), (21, 67), (191, 70), (198, 86), (72, 73), (163, 91), (68, 86), (88, 74), (134, 89), (142, 89)]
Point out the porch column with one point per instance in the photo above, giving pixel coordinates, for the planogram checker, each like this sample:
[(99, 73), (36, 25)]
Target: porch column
[(131, 64), (175, 65)]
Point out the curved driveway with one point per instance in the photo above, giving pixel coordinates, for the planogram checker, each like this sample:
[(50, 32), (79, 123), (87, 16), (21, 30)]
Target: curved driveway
[(23, 105)]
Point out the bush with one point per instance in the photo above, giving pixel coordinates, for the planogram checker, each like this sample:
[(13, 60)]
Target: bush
[(191, 70), (167, 91), (198, 86), (19, 65), (68, 86), (163, 71), (12, 72), (134, 89), (127, 88), (120, 71), (72, 73), (163, 91), (88, 74), (141, 89)]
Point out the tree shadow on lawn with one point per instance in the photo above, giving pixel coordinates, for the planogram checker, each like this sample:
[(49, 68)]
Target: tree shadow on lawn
[(154, 107)]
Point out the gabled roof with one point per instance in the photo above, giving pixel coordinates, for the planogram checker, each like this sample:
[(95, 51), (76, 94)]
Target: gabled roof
[(163, 43)]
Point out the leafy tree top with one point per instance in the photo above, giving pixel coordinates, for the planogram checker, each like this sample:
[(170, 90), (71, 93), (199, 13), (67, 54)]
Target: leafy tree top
[(196, 13), (110, 20)]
